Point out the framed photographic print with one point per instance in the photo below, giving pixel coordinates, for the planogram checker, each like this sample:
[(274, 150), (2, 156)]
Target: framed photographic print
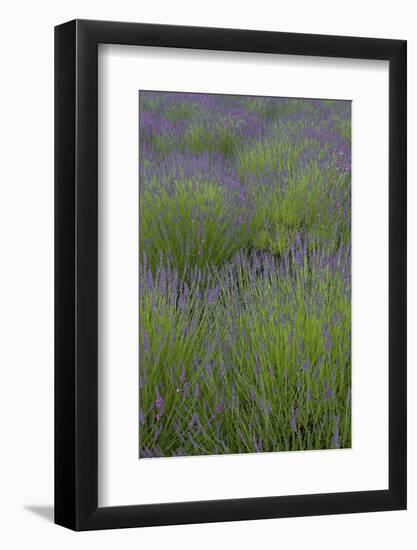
[(230, 254)]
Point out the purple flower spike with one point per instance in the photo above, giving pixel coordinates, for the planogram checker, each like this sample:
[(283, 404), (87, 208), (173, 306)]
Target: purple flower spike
[(293, 418), (267, 408), (336, 434), (146, 343), (193, 420), (349, 397), (159, 402), (305, 365)]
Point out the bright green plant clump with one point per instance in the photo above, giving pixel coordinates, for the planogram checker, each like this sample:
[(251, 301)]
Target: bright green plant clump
[(191, 225)]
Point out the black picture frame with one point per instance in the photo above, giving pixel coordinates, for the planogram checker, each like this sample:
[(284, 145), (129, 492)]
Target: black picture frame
[(76, 273)]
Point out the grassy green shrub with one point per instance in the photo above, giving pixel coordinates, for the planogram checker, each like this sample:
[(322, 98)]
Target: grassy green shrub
[(304, 205), (265, 366), (194, 224), (199, 138), (181, 111), (271, 154)]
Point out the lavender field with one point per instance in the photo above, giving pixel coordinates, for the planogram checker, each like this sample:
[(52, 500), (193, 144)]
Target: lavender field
[(245, 274)]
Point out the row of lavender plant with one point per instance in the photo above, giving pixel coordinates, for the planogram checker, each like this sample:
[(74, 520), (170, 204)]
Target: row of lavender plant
[(244, 274)]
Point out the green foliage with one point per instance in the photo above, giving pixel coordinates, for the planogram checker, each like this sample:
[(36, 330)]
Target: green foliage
[(201, 138), (249, 364), (345, 128), (311, 203), (198, 138), (272, 109), (192, 225), (182, 110), (268, 155)]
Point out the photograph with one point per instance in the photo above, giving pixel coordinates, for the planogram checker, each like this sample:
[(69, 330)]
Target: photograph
[(244, 274)]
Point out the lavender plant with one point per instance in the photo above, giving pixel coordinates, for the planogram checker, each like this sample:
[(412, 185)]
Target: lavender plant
[(244, 274)]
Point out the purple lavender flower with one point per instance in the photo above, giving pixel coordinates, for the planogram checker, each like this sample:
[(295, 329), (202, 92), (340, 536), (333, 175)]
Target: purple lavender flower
[(159, 402), (336, 434), (293, 418), (305, 365), (146, 343), (213, 294)]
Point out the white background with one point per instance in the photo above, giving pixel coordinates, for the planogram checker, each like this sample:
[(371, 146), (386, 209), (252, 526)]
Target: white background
[(26, 301), (123, 479)]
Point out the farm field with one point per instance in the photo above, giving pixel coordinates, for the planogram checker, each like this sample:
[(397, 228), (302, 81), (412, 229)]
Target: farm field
[(245, 274)]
